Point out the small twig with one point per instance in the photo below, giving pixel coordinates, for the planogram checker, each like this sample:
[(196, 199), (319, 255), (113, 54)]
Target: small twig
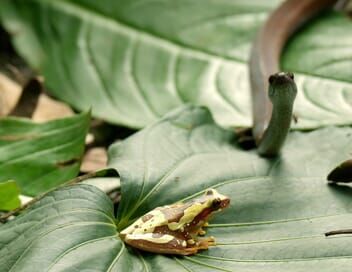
[(337, 232)]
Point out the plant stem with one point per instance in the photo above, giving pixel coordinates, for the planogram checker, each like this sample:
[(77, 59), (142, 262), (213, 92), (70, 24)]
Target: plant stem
[(337, 232)]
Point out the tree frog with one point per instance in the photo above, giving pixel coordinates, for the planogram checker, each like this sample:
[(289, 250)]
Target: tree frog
[(175, 229)]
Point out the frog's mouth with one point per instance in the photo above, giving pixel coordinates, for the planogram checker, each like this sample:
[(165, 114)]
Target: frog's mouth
[(195, 229), (224, 203)]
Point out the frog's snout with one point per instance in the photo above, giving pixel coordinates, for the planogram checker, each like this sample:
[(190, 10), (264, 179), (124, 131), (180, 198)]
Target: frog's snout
[(225, 203)]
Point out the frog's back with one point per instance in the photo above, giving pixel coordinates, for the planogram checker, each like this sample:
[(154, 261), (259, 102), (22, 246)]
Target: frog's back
[(160, 216)]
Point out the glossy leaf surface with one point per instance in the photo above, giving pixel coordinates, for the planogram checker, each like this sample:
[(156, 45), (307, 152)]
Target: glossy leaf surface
[(279, 209), (133, 61), (41, 156)]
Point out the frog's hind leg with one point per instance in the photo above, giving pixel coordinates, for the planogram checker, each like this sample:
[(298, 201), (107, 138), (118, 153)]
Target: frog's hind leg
[(165, 244)]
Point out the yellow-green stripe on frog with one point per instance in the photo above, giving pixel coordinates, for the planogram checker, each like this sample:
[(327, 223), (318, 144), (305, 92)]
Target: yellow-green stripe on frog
[(174, 229)]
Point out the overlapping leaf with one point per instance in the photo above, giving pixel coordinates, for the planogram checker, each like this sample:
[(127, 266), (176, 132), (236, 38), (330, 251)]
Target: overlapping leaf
[(135, 60), (323, 66), (41, 156), (279, 209), (9, 196)]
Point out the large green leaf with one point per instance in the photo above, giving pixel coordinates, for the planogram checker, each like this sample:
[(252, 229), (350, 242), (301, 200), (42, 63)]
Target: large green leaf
[(133, 61), (41, 156), (9, 196), (279, 209), (321, 56), (186, 152), (74, 220)]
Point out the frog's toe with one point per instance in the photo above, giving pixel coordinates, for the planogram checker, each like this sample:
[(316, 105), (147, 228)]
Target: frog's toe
[(210, 239), (201, 232), (191, 242), (205, 242)]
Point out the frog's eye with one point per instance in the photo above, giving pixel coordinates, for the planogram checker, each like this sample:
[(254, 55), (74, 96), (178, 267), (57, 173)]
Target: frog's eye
[(209, 192), (216, 203)]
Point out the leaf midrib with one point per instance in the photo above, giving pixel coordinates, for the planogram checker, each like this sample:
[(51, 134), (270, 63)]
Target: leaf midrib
[(274, 261), (43, 221), (68, 225), (256, 223), (79, 246)]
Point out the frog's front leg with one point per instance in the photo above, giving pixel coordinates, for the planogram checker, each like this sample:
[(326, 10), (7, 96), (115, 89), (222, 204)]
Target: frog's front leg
[(205, 242), (160, 243)]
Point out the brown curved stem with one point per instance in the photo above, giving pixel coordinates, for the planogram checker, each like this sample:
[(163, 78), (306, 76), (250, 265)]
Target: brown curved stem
[(266, 51)]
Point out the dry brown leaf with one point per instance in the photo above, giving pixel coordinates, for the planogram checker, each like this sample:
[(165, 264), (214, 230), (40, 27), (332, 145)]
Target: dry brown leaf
[(95, 158), (49, 109)]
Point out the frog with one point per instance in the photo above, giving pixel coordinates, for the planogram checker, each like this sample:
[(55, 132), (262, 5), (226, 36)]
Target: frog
[(177, 228)]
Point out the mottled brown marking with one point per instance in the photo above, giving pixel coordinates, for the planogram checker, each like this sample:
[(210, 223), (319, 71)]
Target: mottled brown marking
[(147, 217), (172, 247), (175, 212), (161, 230)]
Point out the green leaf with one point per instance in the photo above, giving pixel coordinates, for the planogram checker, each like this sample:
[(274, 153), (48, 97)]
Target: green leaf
[(41, 156), (121, 78), (279, 212), (133, 61), (67, 226), (9, 196), (323, 66), (188, 152)]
